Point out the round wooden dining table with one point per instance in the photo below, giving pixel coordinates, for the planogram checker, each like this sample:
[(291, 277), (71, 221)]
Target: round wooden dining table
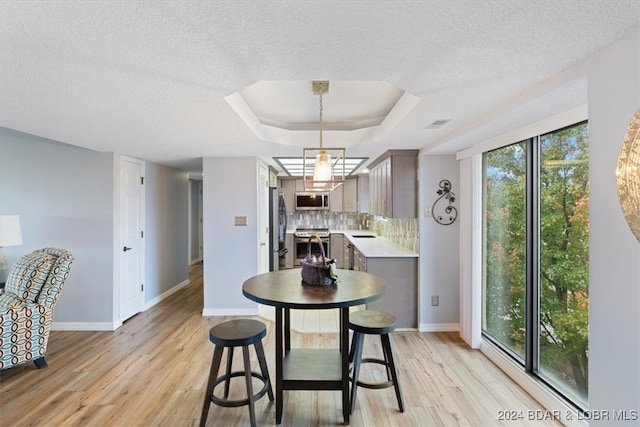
[(312, 368)]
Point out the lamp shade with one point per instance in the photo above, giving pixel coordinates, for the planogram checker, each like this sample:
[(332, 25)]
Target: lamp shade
[(10, 233), (322, 167)]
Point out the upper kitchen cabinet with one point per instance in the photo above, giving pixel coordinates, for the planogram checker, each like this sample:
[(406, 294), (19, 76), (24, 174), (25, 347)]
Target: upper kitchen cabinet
[(350, 195), (336, 199), (363, 194), (288, 187), (393, 184), (345, 197)]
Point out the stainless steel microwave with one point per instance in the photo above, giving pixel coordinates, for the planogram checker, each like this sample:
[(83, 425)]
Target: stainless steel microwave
[(312, 201)]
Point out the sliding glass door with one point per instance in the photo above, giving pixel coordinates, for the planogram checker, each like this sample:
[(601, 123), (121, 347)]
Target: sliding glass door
[(535, 256)]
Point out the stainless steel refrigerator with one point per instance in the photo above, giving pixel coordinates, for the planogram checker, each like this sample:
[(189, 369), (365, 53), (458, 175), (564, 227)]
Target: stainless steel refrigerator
[(277, 229)]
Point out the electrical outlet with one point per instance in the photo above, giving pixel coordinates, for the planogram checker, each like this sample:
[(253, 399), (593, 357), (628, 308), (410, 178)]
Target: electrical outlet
[(435, 300)]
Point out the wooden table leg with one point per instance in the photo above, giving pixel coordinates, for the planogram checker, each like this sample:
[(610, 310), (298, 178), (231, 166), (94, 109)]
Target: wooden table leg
[(287, 330), (344, 351), (279, 361)]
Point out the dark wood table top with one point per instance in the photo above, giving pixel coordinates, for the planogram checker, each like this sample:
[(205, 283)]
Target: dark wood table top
[(285, 289)]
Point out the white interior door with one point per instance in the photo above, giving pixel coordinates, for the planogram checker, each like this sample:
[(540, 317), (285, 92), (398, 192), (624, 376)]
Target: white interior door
[(263, 215), (131, 247), (200, 221)]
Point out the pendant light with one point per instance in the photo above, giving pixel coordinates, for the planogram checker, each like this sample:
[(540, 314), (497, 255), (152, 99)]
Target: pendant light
[(327, 175)]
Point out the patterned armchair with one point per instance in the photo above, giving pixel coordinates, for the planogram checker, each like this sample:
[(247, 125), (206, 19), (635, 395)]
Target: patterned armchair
[(26, 305)]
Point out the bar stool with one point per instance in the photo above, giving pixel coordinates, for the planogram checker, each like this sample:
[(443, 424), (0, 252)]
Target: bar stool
[(369, 322), (231, 334)]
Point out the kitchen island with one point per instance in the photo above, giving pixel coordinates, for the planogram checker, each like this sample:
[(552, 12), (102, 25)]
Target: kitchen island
[(397, 265)]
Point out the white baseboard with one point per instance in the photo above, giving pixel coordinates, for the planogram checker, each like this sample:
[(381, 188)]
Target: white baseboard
[(439, 327), (85, 326), (165, 294), (230, 312), (112, 326)]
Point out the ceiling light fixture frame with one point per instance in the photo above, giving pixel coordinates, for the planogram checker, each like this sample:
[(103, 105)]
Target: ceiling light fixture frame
[(319, 159)]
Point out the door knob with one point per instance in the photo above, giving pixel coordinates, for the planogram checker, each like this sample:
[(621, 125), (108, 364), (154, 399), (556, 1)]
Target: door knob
[(125, 249)]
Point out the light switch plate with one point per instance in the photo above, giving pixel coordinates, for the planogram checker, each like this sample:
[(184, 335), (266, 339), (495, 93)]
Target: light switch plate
[(240, 221)]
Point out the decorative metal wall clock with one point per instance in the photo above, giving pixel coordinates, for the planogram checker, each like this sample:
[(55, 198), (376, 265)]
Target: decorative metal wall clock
[(628, 175)]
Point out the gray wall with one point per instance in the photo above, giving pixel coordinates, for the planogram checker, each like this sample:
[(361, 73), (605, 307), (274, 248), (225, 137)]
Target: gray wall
[(614, 289), (64, 196), (194, 219), (167, 228), (439, 255), (230, 253)]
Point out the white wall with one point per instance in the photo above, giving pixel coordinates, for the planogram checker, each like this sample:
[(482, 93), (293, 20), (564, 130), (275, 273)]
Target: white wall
[(230, 189), (614, 292), (64, 196), (439, 260)]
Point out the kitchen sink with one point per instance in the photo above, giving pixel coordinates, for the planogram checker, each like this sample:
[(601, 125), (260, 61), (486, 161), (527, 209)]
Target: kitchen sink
[(363, 236)]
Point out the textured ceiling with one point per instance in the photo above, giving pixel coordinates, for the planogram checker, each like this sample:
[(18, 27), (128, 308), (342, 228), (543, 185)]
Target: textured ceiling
[(152, 79)]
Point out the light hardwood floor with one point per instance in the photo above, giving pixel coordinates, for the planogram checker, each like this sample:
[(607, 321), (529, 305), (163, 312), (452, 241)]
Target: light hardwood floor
[(153, 370)]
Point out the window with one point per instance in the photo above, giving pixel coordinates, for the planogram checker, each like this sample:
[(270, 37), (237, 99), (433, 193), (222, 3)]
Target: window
[(535, 256)]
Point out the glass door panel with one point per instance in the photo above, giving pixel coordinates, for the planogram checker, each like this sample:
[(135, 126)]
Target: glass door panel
[(503, 315), (564, 259)]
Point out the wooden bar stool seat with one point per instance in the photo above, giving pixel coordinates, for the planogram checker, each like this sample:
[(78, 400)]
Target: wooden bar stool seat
[(231, 334), (369, 322)]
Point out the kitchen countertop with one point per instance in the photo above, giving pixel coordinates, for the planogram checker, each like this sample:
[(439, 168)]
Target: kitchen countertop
[(377, 247)]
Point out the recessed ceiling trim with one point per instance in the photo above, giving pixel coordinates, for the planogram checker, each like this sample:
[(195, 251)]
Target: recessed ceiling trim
[(362, 110), (333, 126)]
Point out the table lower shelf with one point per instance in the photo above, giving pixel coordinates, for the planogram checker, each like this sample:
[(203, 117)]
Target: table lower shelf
[(312, 369)]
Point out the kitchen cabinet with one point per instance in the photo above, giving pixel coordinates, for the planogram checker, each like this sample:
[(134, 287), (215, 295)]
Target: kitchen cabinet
[(401, 296), (288, 244), (336, 199), (299, 182), (342, 199), (336, 249), (400, 273), (393, 184), (350, 195), (363, 194), (345, 197), (359, 260), (288, 187)]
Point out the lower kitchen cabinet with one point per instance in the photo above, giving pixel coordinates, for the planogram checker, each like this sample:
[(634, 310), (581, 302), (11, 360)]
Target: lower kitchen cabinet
[(336, 249), (288, 257), (401, 296)]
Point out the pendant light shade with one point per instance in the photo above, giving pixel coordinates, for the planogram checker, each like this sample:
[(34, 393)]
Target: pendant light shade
[(322, 167)]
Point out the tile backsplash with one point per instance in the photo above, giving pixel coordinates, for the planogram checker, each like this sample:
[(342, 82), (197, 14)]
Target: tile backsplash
[(334, 221), (401, 231)]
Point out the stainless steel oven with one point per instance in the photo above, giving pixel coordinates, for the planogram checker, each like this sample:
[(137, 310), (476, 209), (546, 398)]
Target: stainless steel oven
[(301, 243)]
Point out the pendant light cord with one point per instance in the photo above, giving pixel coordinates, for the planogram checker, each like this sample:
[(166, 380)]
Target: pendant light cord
[(321, 124)]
